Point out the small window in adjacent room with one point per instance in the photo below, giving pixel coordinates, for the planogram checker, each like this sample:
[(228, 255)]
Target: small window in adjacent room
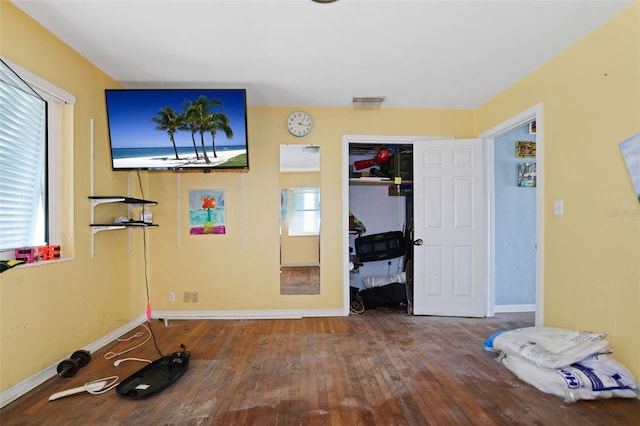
[(31, 127), (304, 213)]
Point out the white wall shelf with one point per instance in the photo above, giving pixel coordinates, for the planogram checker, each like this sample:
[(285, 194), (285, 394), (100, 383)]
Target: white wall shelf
[(95, 200), (129, 224), (131, 202)]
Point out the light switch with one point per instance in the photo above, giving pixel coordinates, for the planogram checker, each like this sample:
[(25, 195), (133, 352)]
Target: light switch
[(558, 208)]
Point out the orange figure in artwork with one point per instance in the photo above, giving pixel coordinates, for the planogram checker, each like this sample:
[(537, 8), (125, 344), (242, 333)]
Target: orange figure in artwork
[(208, 203)]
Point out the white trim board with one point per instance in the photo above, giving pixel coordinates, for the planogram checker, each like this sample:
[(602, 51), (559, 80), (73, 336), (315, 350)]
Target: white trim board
[(501, 309), (39, 82), (239, 315), (42, 376)]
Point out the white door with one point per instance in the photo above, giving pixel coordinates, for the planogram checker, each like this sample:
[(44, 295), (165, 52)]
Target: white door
[(449, 210)]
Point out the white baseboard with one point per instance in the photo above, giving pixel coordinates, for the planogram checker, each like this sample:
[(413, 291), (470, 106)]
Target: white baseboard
[(15, 392), (294, 265), (514, 308), (260, 314)]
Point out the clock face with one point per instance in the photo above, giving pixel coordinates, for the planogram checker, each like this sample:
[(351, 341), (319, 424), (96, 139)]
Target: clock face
[(299, 123)]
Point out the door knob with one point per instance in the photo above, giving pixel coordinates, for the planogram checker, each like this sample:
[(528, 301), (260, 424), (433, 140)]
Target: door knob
[(418, 242)]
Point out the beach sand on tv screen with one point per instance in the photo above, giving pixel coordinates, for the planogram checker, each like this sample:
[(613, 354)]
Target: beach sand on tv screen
[(185, 161)]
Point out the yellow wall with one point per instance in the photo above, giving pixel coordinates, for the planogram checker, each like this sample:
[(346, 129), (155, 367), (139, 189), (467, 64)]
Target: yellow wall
[(240, 270), (591, 103), (591, 277), (50, 310)]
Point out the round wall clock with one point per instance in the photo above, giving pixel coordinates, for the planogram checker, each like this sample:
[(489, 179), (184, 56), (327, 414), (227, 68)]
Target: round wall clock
[(299, 123)]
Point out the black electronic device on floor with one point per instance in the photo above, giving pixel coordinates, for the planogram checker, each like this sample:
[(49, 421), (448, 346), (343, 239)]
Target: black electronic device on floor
[(155, 377)]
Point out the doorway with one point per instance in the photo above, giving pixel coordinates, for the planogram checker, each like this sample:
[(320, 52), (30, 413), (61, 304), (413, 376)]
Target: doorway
[(515, 179), (380, 217), (531, 115)]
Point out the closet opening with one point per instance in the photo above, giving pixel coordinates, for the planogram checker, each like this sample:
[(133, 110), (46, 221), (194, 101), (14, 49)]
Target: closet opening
[(380, 204)]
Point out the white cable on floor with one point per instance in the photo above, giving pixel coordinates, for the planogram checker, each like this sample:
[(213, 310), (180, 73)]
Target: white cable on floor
[(120, 361), (107, 386), (111, 355)]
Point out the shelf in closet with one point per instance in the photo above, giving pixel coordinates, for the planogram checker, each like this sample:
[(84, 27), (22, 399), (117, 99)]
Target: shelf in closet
[(375, 181)]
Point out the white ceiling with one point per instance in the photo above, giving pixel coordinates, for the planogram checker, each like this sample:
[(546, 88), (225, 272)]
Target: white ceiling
[(415, 53)]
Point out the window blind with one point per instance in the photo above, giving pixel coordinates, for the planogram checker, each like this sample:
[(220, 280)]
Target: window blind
[(23, 143)]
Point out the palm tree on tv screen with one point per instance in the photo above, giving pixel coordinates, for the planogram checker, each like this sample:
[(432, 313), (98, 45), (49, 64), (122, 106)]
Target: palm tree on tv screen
[(190, 124), (218, 121), (169, 121), (196, 118), (199, 116)]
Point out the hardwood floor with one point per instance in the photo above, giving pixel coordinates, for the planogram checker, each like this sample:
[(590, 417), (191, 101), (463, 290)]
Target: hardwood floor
[(300, 280), (383, 367)]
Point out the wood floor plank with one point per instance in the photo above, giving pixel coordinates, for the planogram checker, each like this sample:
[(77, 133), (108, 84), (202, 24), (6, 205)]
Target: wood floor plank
[(383, 367)]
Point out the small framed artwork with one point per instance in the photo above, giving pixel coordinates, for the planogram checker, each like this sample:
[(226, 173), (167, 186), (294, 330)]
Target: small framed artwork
[(532, 128), (207, 212), (525, 149), (527, 175)]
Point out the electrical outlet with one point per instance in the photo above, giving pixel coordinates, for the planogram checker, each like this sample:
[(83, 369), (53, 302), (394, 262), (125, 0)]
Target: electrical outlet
[(191, 297), (172, 296)]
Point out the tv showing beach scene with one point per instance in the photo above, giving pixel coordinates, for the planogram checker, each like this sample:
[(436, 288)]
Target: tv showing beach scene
[(177, 129)]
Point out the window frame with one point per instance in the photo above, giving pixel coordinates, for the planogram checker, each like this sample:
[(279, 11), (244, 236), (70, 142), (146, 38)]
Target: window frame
[(292, 232), (59, 116)]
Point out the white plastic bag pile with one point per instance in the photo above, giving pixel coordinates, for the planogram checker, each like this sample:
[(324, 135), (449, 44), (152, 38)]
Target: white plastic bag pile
[(380, 281), (570, 364)]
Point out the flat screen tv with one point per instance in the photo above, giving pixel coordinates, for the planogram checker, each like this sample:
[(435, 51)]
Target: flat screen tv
[(177, 129)]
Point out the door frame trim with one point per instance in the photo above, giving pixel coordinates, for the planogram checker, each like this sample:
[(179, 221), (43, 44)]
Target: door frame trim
[(488, 137), (346, 140)]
